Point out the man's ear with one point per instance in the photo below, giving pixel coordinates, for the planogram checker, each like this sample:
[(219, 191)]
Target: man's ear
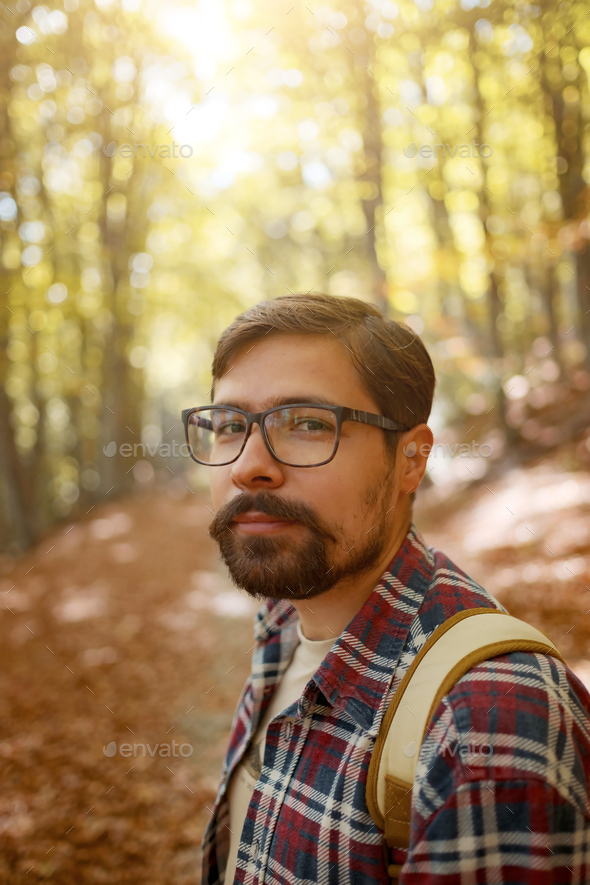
[(413, 450)]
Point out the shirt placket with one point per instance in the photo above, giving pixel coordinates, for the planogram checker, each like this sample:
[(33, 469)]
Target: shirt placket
[(290, 728)]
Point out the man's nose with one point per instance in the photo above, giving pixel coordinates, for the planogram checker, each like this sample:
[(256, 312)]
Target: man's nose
[(256, 467)]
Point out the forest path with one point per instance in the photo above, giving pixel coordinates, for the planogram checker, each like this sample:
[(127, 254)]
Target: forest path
[(124, 628)]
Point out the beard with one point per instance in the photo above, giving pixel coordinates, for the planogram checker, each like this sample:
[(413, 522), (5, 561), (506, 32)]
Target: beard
[(277, 567)]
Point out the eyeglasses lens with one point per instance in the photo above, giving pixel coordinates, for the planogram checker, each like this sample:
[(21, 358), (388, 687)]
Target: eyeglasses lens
[(301, 436)]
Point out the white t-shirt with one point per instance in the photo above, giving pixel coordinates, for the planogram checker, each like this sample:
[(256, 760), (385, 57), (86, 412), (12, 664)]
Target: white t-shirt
[(306, 659)]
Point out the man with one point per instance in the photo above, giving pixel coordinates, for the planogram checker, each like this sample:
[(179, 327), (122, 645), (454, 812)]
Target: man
[(315, 438)]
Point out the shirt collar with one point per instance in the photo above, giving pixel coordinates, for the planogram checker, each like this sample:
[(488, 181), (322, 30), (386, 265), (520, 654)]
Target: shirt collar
[(355, 675)]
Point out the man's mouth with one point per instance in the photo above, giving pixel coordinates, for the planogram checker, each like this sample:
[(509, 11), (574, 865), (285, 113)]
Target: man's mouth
[(253, 522)]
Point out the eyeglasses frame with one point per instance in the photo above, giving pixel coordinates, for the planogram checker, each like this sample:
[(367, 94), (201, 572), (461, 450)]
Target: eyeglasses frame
[(342, 413)]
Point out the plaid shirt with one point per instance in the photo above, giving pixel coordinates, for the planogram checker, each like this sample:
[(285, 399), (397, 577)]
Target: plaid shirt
[(518, 814)]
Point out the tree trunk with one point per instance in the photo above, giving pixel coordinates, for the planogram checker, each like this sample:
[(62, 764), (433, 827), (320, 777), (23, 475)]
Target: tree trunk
[(17, 515), (120, 418), (569, 135), (365, 73), (15, 492), (549, 290), (372, 175), (583, 289), (493, 295)]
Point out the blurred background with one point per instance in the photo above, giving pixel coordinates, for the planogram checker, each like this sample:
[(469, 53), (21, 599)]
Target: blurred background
[(163, 167)]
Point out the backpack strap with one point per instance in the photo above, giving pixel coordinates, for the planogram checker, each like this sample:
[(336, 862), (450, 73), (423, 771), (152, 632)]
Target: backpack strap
[(455, 647)]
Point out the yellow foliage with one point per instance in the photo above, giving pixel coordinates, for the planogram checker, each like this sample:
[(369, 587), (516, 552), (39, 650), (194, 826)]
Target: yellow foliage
[(296, 152)]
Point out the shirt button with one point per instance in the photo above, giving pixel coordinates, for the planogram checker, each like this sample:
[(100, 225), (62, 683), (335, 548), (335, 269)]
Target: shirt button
[(255, 850), (288, 731)]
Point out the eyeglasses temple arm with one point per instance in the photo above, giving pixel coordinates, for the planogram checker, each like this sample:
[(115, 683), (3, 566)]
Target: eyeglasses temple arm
[(374, 420)]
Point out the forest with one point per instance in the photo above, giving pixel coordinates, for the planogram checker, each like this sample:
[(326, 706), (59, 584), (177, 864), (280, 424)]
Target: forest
[(165, 167)]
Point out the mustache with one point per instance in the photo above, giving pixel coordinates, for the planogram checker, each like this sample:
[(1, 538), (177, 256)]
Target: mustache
[(271, 505)]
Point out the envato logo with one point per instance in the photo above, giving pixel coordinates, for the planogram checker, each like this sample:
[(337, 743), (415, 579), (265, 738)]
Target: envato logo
[(462, 749), (462, 150), (164, 450), (160, 150), (465, 450), (127, 750)]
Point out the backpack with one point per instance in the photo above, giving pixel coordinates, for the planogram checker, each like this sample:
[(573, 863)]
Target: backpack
[(456, 646)]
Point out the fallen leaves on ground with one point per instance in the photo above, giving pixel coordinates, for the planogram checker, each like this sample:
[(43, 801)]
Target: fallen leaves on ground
[(123, 629)]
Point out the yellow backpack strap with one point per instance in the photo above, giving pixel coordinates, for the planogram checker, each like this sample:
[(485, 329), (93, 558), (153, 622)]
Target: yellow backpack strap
[(455, 647)]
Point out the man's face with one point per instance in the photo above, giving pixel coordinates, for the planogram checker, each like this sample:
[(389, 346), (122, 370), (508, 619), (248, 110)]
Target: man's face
[(292, 532)]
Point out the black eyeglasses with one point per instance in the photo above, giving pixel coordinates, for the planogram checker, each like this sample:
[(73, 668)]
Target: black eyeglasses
[(297, 435)]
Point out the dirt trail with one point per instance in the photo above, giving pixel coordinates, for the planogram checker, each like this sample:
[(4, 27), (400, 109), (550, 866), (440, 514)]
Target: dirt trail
[(526, 539), (123, 628)]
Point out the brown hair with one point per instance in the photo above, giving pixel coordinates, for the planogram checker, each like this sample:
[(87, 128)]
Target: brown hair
[(394, 366)]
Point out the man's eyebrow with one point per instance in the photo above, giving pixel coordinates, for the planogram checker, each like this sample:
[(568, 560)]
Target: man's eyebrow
[(277, 401)]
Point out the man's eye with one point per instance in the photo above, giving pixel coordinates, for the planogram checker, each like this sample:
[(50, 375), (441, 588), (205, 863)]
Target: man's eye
[(230, 428), (311, 425)]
